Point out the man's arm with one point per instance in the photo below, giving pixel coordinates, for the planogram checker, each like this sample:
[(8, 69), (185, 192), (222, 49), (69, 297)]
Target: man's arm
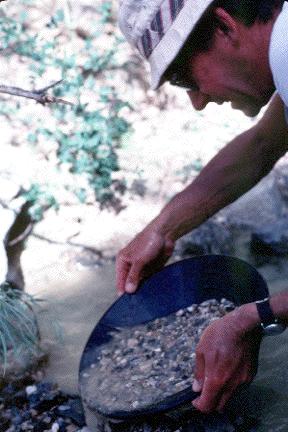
[(232, 172)]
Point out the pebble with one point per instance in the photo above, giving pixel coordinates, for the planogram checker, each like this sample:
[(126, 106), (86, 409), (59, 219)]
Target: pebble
[(34, 401), (39, 407), (55, 427), (31, 389)]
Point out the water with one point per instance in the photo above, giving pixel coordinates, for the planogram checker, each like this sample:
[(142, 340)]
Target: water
[(271, 383), (79, 295), (267, 397)]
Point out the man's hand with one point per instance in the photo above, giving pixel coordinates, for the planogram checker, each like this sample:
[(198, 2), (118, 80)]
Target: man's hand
[(143, 256), (226, 358)]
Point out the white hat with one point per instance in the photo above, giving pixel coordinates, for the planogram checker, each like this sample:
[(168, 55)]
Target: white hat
[(159, 28)]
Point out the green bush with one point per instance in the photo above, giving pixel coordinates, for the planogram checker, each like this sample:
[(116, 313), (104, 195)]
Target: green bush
[(87, 138)]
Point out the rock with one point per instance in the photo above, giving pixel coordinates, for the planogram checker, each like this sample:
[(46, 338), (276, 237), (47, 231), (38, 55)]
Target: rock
[(19, 364), (260, 206), (281, 182), (138, 187), (263, 210), (271, 239), (73, 410), (27, 405), (213, 236)]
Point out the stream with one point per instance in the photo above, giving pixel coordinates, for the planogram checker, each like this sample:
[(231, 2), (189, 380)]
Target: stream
[(78, 293)]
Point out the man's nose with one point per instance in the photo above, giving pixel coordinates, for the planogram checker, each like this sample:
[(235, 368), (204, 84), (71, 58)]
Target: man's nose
[(198, 99)]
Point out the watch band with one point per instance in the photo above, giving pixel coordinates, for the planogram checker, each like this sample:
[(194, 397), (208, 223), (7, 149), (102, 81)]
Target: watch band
[(269, 323), (265, 312)]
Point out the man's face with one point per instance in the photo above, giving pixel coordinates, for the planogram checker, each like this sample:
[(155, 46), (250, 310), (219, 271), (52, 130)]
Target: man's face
[(220, 78), (234, 69)]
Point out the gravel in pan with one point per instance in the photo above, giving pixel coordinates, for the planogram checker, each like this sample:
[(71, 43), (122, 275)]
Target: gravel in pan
[(147, 363)]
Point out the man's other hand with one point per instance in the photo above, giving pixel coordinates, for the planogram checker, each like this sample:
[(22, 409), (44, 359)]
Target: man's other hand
[(146, 254), (226, 360)]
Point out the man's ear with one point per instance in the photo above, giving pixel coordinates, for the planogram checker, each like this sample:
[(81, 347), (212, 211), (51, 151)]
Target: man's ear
[(227, 25)]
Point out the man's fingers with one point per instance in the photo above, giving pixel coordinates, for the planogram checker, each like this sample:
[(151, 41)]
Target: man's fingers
[(206, 401), (196, 386), (216, 393), (128, 276), (199, 371), (122, 271), (213, 385), (134, 277), (209, 398)]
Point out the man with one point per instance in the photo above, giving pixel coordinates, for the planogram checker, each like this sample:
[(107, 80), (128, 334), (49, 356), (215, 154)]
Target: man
[(221, 50)]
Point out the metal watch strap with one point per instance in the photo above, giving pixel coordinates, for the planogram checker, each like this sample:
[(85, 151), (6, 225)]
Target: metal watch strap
[(269, 323), (265, 312)]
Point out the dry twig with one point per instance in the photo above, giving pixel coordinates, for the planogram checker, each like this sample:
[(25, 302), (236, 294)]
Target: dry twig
[(38, 95)]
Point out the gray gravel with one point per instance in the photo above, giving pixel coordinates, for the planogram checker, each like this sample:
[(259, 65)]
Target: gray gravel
[(145, 364)]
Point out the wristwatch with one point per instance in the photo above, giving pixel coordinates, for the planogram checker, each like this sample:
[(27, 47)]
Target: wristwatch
[(269, 323)]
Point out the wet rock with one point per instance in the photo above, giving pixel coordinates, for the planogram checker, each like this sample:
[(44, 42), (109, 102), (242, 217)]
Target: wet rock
[(20, 365), (263, 211), (73, 410), (213, 236), (271, 239), (39, 407), (16, 414)]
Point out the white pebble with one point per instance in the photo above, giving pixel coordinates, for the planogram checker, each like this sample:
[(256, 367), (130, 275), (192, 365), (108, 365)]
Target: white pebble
[(31, 389), (55, 427), (132, 342)]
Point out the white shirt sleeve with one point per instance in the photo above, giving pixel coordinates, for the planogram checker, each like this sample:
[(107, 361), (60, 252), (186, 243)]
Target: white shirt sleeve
[(278, 54)]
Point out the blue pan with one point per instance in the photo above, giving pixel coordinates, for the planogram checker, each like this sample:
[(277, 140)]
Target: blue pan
[(175, 287)]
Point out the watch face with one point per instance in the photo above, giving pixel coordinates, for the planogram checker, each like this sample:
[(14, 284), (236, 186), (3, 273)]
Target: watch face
[(273, 329)]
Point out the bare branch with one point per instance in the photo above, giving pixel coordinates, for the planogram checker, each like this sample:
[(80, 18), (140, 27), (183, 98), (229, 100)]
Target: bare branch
[(38, 95)]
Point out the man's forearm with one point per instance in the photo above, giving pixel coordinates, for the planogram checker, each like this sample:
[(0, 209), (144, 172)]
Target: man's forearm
[(232, 172)]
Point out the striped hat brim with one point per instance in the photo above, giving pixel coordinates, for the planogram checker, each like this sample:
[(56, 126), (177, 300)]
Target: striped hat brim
[(159, 29)]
